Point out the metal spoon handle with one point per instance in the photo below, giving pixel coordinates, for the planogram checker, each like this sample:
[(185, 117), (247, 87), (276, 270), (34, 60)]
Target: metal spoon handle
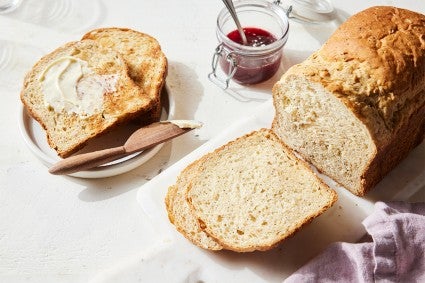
[(232, 11)]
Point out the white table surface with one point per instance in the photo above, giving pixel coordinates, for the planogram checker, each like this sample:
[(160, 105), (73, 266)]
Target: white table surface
[(65, 229)]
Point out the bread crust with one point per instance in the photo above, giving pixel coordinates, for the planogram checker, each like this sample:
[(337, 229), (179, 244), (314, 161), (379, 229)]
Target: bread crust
[(390, 155)]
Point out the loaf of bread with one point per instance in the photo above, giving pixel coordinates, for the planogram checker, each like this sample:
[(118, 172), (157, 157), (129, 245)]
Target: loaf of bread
[(146, 62), (84, 89), (356, 107), (247, 195)]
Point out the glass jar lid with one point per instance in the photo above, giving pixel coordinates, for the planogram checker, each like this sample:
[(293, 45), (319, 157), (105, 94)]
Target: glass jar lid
[(312, 11)]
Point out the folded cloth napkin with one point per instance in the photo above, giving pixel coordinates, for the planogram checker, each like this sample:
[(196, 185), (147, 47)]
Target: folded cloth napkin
[(396, 254)]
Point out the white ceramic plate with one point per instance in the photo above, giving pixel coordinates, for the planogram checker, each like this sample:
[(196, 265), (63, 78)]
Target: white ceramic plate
[(35, 138)]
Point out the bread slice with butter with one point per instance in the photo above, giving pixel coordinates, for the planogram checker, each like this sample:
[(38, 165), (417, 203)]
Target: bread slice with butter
[(80, 91), (143, 55)]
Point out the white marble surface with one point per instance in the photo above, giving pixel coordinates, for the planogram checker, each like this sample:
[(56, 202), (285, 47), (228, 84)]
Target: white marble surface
[(65, 229)]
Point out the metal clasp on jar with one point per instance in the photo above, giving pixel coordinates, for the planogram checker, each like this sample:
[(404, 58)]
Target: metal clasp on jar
[(222, 82)]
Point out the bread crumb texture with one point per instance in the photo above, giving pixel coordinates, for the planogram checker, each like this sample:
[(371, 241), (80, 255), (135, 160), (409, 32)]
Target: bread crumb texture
[(253, 193)]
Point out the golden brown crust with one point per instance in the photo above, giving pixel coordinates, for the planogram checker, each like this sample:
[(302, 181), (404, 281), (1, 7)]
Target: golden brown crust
[(169, 199), (389, 39)]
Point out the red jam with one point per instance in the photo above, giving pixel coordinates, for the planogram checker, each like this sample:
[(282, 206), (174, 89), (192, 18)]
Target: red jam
[(254, 36), (254, 69)]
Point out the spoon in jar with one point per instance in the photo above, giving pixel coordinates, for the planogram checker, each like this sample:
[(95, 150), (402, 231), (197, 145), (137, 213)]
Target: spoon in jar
[(232, 11)]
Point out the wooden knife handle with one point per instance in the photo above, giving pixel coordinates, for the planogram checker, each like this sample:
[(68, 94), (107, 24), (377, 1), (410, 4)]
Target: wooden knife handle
[(86, 160)]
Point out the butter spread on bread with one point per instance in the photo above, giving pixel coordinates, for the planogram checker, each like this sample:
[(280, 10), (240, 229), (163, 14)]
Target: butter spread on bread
[(68, 84), (356, 107)]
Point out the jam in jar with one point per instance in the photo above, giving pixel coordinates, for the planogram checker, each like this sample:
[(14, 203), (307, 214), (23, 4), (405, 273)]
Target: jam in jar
[(266, 28)]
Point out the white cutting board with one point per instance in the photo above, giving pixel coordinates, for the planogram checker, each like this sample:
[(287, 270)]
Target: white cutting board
[(174, 259)]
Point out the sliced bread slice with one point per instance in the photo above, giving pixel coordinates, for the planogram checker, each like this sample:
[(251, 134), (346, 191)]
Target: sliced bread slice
[(180, 215), (253, 193), (80, 91), (145, 59)]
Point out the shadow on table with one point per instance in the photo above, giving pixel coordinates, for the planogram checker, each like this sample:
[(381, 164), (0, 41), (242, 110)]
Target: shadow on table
[(407, 179), (106, 188), (184, 88), (262, 92)]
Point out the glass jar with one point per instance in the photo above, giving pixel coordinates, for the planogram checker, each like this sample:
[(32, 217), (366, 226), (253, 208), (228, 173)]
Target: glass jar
[(247, 64)]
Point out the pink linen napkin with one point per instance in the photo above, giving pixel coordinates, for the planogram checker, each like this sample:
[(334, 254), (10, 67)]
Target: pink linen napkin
[(396, 252)]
